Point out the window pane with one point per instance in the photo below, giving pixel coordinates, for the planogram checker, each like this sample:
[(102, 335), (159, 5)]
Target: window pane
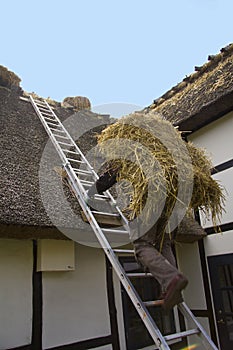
[(227, 296), (229, 322)]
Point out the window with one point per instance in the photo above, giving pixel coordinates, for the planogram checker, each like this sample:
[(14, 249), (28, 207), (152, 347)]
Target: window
[(221, 275), (225, 273)]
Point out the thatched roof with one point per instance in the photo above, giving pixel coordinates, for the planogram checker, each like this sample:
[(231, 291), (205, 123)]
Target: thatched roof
[(23, 139), (201, 97), (9, 79)]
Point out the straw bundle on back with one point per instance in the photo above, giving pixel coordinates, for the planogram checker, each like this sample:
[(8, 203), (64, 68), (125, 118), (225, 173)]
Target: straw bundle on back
[(161, 168)]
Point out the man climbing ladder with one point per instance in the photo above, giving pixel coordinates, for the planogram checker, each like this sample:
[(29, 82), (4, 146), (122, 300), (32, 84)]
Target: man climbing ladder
[(166, 146), (156, 257), (54, 128)]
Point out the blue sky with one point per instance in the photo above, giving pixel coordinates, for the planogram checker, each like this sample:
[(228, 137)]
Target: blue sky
[(124, 51)]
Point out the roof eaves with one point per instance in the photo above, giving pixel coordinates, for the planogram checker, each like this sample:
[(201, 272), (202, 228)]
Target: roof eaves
[(213, 61), (208, 114)]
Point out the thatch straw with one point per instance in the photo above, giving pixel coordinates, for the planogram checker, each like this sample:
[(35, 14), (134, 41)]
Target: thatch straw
[(8, 78), (159, 165)]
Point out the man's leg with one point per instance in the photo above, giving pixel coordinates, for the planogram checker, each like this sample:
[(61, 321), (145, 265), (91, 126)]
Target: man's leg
[(161, 269), (167, 250), (171, 280)]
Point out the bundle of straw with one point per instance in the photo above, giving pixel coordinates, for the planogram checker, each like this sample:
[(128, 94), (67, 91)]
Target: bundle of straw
[(160, 167)]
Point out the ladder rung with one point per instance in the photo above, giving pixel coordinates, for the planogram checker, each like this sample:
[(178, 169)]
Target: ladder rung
[(76, 161), (181, 334), (85, 182), (63, 143), (139, 274), (110, 230), (50, 119), (58, 131), (82, 172), (45, 112), (42, 104), (124, 251), (44, 108), (87, 185), (101, 196), (106, 214), (71, 152), (49, 114), (53, 123), (153, 303), (38, 101), (114, 221), (63, 137)]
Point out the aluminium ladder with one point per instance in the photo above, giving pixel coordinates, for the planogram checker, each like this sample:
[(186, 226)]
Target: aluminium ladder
[(69, 152)]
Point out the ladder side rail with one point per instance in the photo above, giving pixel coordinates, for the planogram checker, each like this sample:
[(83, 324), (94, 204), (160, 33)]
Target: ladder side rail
[(207, 341), (49, 132), (72, 174), (125, 221), (138, 304), (69, 169), (141, 309), (73, 142), (54, 140), (80, 192), (87, 163), (63, 155), (66, 163)]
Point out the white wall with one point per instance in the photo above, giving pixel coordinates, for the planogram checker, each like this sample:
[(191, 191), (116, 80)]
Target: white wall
[(16, 265), (189, 263), (219, 243), (217, 138), (225, 178), (75, 304)]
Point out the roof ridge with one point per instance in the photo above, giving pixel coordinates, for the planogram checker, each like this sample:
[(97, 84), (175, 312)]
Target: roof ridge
[(213, 60)]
